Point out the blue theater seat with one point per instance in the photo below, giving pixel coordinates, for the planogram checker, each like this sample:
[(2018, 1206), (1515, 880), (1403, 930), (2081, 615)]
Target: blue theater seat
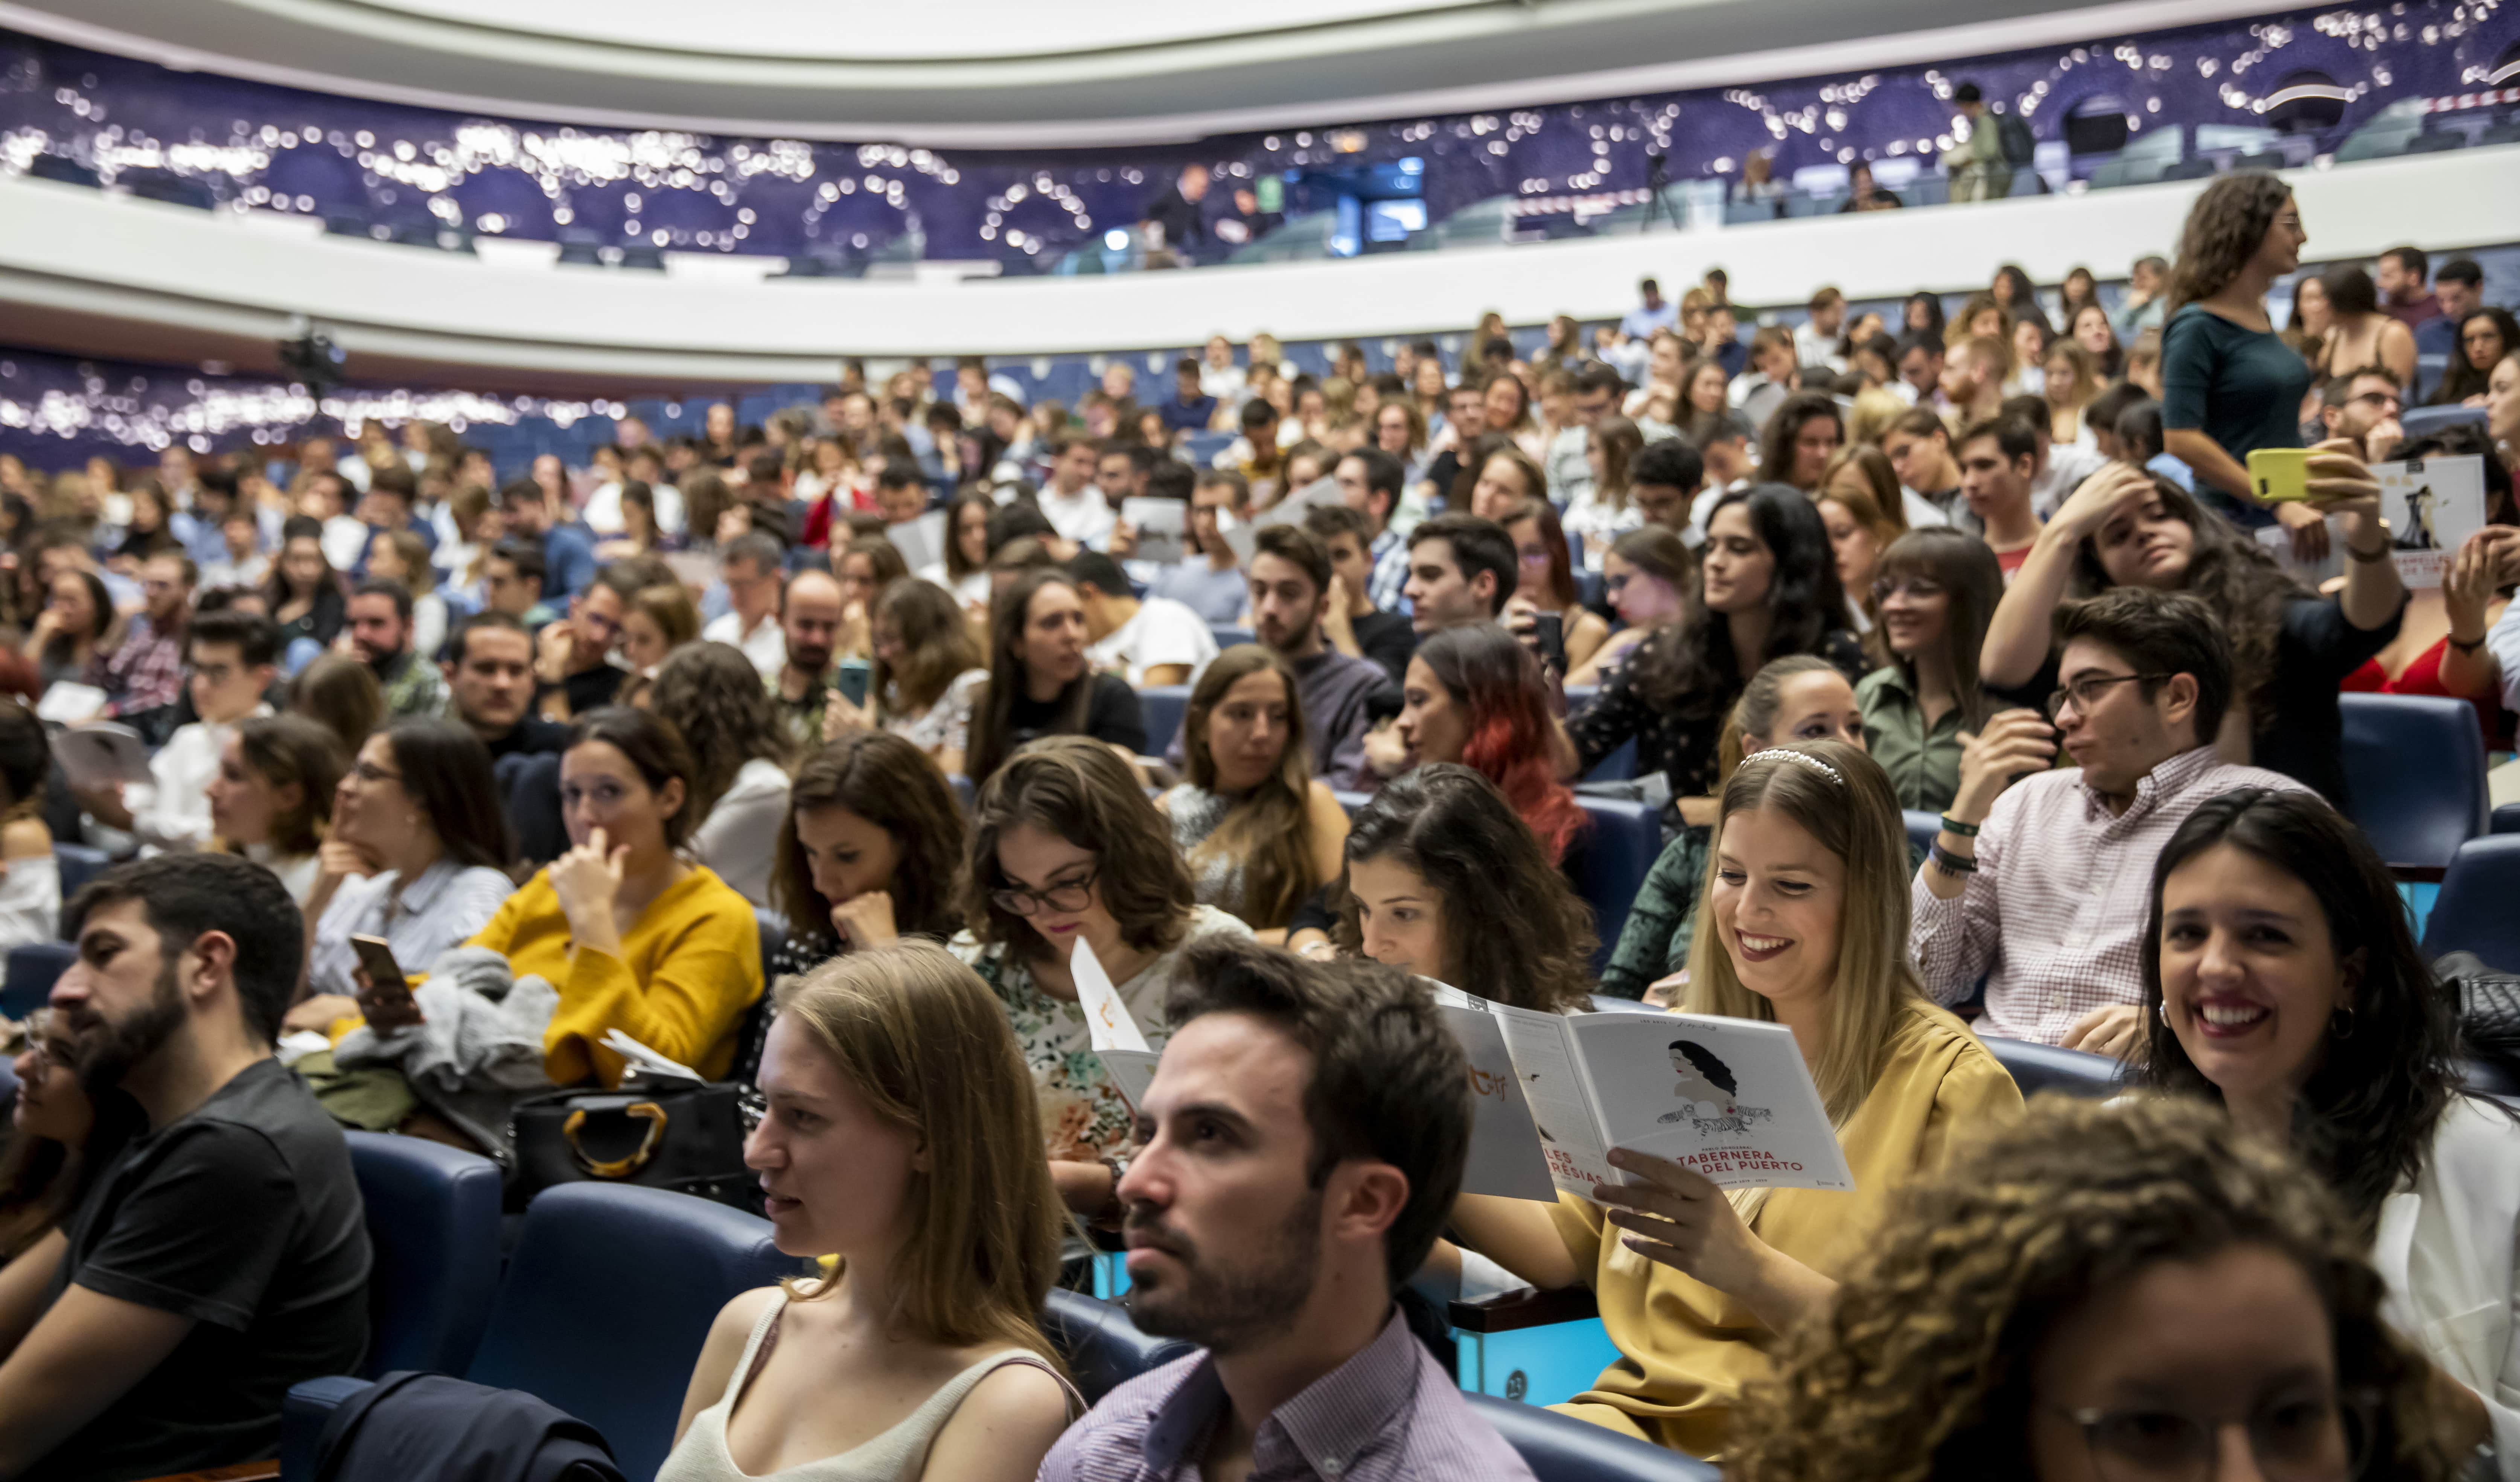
[(79, 865), (33, 969), (1104, 1349), (1162, 706), (1561, 1449), (2040, 1068), (2478, 909), (1227, 637), (2420, 422), (2415, 765), (434, 1223), (1922, 828), (1626, 839), (606, 1302)]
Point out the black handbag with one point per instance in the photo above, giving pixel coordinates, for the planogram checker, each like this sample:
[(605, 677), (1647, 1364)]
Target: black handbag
[(689, 1139)]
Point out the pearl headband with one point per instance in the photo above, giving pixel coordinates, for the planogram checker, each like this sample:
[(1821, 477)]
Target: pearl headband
[(1803, 759)]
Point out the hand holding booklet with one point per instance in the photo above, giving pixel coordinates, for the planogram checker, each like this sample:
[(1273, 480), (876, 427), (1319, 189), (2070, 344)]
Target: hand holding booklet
[(1727, 1099)]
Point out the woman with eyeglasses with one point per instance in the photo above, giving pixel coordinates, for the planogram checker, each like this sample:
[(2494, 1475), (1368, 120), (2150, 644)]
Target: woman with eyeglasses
[(61, 1138), (415, 855), (1937, 589), (1068, 848), (2291, 647), (2123, 1291)]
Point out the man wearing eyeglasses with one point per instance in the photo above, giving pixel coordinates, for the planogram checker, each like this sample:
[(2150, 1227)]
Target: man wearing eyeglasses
[(2041, 880), (2364, 405)]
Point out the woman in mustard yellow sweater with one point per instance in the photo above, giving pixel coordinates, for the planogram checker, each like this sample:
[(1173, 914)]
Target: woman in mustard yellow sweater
[(634, 936)]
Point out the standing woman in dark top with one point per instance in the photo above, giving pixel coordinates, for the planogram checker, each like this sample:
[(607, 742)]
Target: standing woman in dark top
[(2290, 646), (1040, 681), (1770, 588), (305, 595), (2229, 382)]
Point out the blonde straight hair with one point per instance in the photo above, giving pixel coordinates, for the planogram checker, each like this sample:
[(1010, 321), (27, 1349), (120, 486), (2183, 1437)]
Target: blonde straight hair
[(922, 1038), (1854, 817)]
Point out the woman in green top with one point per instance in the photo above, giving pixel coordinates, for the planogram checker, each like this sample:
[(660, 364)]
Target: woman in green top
[(1936, 592), (1799, 697), (2228, 383)]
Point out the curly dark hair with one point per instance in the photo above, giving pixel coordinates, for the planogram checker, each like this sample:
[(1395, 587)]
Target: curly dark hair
[(2365, 1117), (1785, 424), (1080, 789), (714, 696), (891, 784), (1697, 677), (1513, 930), (2231, 574), (2223, 230), (1924, 1367)]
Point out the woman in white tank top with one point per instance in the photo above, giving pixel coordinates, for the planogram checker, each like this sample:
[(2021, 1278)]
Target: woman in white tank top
[(902, 1136)]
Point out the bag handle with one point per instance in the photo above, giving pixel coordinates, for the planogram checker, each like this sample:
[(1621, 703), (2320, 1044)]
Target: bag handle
[(616, 1168)]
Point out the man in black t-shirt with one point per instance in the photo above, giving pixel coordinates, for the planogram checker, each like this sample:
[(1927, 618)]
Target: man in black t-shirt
[(221, 1255)]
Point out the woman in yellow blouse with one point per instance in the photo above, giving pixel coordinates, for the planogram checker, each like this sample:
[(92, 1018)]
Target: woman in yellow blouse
[(1807, 895), (633, 935)]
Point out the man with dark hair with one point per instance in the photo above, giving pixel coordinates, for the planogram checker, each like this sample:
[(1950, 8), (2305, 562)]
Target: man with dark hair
[(1724, 455), (1663, 479), (1208, 579), (2458, 287), (1652, 312), (1190, 409), (1977, 166), (1072, 504), (1254, 454), (1998, 459), (141, 678), (1149, 641), (1291, 583), (2401, 282), (1302, 1142), (1920, 369), (381, 635), (751, 566), (222, 1255), (1466, 419), (393, 494), (490, 664), (2364, 405), (1568, 470), (568, 548), (810, 612), (2059, 471), (231, 658), (2041, 880), (1818, 338), (1369, 482), (512, 582), (900, 490), (1351, 624), (1461, 570)]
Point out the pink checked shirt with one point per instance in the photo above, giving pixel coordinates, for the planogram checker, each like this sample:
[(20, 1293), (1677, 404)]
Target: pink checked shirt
[(2053, 919)]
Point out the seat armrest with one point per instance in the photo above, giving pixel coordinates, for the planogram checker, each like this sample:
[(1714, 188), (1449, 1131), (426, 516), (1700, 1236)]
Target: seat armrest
[(302, 1420), (1527, 1309)]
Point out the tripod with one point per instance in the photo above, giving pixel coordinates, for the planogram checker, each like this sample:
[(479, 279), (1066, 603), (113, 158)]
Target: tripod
[(1657, 180)]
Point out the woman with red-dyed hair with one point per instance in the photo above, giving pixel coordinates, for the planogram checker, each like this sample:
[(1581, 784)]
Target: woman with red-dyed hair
[(1474, 695)]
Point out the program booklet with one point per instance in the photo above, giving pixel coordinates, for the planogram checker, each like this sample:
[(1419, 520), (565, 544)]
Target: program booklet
[(2431, 504), (1730, 1099), (1117, 1039), (1162, 525)]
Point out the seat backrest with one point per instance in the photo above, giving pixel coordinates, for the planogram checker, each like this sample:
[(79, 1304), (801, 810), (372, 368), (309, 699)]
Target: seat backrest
[(28, 983), (1162, 706), (2040, 1068), (608, 1298), (1561, 1449), (1922, 828), (1626, 839), (530, 785), (2415, 768), (433, 1225), (2478, 909), (80, 863), (1104, 1349), (2421, 422), (1227, 635)]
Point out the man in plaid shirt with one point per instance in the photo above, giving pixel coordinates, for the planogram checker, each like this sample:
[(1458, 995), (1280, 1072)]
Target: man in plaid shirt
[(146, 671)]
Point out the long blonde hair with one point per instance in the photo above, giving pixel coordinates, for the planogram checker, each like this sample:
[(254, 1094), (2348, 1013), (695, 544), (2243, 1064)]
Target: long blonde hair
[(1854, 817), (925, 1042)]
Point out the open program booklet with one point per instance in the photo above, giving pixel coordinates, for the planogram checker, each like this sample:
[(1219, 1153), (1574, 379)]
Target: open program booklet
[(1730, 1099)]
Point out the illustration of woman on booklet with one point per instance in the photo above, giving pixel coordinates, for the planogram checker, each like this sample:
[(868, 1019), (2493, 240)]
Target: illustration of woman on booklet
[(1702, 1076)]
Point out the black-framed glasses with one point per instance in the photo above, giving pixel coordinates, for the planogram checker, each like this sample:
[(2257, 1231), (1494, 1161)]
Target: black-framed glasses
[(2309, 1437), (1066, 896), (2084, 693), (2387, 400)]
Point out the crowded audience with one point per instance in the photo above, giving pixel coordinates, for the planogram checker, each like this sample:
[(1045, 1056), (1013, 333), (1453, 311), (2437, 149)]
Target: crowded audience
[(815, 758)]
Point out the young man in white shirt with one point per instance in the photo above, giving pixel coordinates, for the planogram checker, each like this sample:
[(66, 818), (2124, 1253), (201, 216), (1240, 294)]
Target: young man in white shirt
[(1072, 504), (750, 568), (1156, 641), (231, 658), (1815, 339)]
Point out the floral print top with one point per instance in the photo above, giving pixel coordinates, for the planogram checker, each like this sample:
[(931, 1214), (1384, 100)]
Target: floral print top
[(1083, 1115)]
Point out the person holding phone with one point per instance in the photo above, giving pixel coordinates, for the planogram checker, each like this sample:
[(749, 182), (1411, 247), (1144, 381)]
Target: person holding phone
[(2291, 647), (1545, 595)]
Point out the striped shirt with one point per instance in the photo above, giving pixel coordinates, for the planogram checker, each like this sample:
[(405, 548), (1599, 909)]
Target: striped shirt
[(2054, 916), (444, 907), (1390, 1413)]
